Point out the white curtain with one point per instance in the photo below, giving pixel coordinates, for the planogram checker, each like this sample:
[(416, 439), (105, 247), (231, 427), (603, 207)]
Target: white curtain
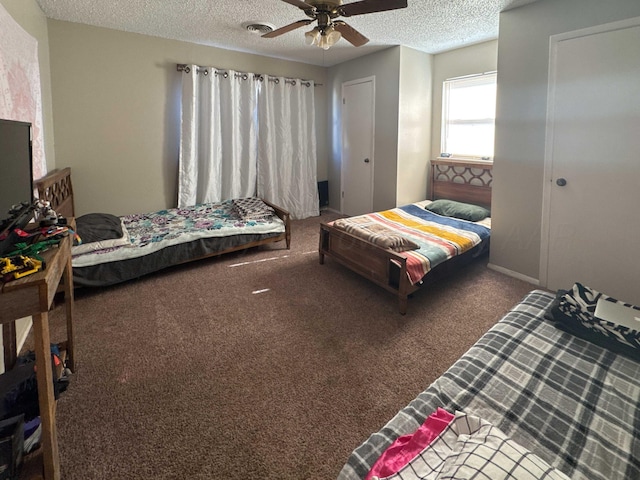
[(245, 135), (287, 161), (218, 148)]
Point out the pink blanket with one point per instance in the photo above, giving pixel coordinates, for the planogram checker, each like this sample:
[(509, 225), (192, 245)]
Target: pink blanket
[(405, 448)]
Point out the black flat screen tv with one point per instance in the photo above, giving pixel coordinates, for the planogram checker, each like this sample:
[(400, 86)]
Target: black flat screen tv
[(16, 181)]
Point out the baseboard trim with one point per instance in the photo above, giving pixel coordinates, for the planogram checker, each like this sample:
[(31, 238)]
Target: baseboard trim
[(328, 209), (513, 274)]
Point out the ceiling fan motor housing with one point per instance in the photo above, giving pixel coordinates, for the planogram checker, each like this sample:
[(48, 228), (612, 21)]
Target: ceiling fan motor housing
[(325, 13)]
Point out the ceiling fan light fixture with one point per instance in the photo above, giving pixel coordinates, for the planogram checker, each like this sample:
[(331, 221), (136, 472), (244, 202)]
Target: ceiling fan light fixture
[(332, 36), (311, 37), (324, 38)]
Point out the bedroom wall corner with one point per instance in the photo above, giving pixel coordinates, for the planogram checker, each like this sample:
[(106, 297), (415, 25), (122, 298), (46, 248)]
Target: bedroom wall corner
[(118, 112), (28, 15), (523, 64), (385, 67), (478, 58), (414, 125)]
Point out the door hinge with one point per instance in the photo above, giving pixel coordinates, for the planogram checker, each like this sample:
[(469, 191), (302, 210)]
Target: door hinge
[(343, 194), (343, 101)]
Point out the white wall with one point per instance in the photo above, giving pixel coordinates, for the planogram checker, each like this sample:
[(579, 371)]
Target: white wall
[(479, 58), (523, 59), (117, 114), (414, 125)]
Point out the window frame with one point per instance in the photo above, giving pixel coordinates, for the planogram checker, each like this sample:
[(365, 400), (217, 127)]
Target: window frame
[(478, 79)]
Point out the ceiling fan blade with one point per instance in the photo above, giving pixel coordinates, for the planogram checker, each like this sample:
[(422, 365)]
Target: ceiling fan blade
[(371, 6), (287, 28), (299, 4), (350, 34)]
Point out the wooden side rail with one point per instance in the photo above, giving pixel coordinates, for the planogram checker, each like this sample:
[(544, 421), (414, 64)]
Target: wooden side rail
[(382, 266), (286, 218)]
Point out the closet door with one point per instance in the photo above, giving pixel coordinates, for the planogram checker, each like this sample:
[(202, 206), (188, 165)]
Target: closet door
[(358, 110), (591, 221)]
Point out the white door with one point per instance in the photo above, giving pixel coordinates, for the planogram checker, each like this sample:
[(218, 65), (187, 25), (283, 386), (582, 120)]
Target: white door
[(591, 224), (358, 109)]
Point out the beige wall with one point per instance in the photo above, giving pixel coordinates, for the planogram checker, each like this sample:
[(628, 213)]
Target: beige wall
[(479, 58), (28, 15), (523, 59), (117, 113), (414, 125)]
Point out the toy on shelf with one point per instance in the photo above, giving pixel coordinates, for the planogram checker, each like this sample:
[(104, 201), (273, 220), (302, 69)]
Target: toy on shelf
[(18, 266)]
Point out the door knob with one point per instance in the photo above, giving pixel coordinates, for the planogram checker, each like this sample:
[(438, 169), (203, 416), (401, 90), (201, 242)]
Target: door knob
[(366, 160), (561, 182)]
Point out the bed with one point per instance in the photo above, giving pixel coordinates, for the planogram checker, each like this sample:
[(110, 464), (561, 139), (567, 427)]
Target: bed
[(562, 392), (127, 247), (393, 265)]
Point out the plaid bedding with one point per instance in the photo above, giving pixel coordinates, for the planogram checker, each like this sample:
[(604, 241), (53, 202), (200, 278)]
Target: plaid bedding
[(572, 403), (429, 238)]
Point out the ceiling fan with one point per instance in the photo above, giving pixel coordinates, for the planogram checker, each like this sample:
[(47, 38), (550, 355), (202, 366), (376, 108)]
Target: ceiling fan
[(329, 30)]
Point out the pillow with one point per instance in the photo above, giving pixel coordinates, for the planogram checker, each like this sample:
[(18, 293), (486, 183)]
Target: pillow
[(486, 452), (98, 231), (464, 211), (380, 235), (573, 311), (251, 208), (471, 447)]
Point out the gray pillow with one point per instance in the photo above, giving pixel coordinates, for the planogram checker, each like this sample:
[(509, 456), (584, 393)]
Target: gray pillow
[(95, 227), (99, 231), (464, 211)]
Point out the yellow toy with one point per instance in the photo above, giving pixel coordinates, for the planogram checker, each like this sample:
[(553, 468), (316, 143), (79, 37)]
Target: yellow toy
[(13, 268)]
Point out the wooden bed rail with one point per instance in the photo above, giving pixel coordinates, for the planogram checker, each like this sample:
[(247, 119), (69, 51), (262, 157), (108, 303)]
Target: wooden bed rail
[(382, 266)]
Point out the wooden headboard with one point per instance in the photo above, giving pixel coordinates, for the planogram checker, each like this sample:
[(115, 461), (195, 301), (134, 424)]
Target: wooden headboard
[(55, 188), (466, 181)]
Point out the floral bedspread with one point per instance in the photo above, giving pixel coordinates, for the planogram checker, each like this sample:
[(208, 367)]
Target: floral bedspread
[(150, 232)]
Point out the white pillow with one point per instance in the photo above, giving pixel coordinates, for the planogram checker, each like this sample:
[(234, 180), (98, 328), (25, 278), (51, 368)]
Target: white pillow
[(472, 448), (102, 244), (487, 453)]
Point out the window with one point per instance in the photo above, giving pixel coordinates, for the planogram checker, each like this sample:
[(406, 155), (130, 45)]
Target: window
[(468, 115)]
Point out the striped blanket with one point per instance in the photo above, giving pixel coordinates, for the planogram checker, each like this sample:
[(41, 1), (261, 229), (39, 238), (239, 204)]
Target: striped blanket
[(437, 238)]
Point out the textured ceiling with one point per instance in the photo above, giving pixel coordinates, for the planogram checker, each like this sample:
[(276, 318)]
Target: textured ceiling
[(431, 26)]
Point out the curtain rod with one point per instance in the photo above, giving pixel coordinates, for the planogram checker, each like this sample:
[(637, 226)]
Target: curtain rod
[(183, 67)]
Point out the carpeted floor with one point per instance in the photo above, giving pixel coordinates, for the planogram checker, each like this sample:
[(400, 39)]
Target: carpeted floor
[(258, 365)]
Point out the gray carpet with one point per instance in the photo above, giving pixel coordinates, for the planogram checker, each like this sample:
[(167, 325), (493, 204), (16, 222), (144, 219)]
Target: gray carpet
[(257, 365)]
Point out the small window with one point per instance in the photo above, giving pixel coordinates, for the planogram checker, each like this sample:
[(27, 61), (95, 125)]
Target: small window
[(468, 116)]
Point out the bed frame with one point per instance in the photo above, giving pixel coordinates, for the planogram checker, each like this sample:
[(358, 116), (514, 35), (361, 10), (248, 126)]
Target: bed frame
[(464, 181), (56, 188)]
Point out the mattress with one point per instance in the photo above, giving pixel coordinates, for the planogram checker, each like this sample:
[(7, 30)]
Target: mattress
[(170, 237)]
